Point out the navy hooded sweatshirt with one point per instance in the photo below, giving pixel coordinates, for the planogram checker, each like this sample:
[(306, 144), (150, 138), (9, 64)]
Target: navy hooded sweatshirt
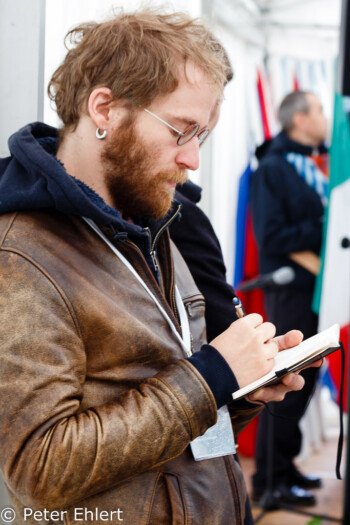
[(33, 178), (199, 246), (287, 213)]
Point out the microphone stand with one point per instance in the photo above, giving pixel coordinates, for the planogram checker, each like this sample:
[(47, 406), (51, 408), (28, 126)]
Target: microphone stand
[(346, 514), (268, 501)]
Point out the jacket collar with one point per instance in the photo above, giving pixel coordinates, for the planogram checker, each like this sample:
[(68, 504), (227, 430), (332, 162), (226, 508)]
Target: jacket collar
[(283, 144)]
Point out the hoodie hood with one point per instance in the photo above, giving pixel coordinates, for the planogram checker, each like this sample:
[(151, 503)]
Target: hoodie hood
[(33, 178), (190, 191), (282, 144)]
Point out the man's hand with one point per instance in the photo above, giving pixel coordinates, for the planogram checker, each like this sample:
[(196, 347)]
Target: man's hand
[(290, 382), (248, 348)]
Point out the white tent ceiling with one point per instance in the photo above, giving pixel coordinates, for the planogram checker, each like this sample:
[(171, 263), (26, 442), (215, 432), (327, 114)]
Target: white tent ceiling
[(321, 15), (262, 22)]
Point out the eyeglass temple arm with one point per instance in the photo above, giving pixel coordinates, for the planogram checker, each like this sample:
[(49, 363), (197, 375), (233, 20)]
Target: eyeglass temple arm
[(166, 123)]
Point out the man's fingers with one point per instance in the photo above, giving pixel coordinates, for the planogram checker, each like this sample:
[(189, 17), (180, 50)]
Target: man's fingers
[(251, 320), (293, 381), (290, 339), (289, 382), (267, 332), (316, 364), (271, 350)]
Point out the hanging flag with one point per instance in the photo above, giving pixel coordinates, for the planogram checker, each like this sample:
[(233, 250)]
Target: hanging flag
[(296, 83), (246, 253), (246, 267), (263, 106), (332, 294)]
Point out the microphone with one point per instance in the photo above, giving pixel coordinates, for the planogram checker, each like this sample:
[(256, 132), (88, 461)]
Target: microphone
[(280, 277), (345, 242)]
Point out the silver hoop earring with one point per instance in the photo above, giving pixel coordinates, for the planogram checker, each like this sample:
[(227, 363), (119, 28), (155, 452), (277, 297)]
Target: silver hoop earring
[(99, 135)]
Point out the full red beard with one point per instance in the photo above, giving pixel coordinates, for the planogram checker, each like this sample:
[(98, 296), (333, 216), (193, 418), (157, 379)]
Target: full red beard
[(129, 171)]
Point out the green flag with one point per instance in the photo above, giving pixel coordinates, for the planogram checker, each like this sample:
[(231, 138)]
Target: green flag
[(332, 294)]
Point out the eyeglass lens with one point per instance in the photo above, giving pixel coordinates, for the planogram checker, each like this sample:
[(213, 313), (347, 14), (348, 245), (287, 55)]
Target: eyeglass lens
[(190, 133)]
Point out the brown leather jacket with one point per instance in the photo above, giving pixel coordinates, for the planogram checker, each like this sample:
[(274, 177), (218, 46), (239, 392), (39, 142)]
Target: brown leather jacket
[(98, 404)]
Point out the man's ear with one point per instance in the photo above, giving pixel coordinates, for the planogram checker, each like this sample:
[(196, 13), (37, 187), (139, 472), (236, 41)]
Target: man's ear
[(298, 120), (103, 108)]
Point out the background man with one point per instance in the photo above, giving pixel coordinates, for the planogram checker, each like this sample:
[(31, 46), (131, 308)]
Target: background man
[(100, 395), (288, 192)]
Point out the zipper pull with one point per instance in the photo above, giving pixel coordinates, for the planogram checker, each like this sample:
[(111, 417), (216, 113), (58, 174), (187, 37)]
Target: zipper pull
[(154, 260), (188, 307)]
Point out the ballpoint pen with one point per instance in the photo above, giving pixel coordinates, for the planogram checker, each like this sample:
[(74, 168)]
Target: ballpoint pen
[(238, 307)]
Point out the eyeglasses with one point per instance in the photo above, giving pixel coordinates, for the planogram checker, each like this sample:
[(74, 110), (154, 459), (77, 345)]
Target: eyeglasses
[(188, 134)]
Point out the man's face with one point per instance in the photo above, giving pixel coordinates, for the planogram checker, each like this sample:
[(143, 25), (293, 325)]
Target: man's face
[(315, 121), (131, 176), (141, 159)]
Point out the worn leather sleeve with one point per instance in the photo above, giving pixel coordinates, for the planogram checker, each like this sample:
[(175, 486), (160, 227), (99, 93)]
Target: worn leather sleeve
[(242, 412), (52, 452)]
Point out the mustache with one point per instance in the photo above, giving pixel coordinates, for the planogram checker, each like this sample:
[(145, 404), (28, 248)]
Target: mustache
[(175, 176)]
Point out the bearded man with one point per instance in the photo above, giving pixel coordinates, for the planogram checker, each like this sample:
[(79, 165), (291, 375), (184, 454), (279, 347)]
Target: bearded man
[(105, 384)]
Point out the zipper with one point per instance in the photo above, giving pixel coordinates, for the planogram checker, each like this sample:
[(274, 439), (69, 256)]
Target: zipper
[(158, 234), (154, 260), (158, 301), (189, 309), (174, 311), (172, 305), (152, 252), (173, 302), (172, 299), (153, 255)]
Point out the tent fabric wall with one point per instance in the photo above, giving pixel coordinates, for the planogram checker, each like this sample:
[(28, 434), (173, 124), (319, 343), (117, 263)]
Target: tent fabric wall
[(20, 57), (64, 14), (239, 126)]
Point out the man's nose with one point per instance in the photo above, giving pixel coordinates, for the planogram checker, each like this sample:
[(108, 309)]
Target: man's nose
[(187, 156)]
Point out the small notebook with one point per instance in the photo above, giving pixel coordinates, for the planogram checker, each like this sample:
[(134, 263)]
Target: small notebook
[(296, 358)]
